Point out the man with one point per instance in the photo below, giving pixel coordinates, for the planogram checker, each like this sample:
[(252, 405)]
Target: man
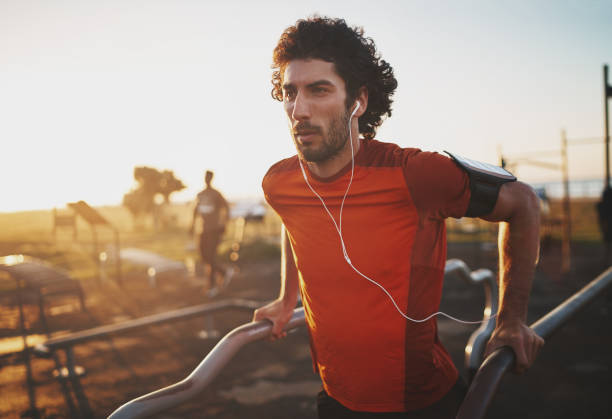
[(364, 238), (213, 209)]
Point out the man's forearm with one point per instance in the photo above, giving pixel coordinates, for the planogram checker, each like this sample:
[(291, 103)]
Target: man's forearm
[(518, 247), (289, 274), (280, 310), (518, 213)]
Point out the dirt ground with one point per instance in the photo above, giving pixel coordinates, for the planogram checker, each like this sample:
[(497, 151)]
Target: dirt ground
[(571, 379)]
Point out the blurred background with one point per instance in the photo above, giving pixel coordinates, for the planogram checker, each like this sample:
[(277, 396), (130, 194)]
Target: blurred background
[(90, 90), (112, 111)]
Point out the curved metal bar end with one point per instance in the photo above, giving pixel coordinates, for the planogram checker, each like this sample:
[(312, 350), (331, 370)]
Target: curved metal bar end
[(485, 383)]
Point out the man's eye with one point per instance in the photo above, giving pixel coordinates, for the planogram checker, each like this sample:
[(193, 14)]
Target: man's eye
[(288, 94)]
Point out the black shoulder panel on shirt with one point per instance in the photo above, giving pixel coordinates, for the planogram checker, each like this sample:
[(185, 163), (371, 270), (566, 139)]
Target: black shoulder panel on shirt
[(485, 182)]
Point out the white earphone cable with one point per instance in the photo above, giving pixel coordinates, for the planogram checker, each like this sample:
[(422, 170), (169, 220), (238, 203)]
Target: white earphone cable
[(345, 252)]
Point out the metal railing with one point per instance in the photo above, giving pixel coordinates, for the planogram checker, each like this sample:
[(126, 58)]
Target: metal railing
[(205, 372), (474, 349), (225, 349), (489, 375), (67, 342), (76, 338)]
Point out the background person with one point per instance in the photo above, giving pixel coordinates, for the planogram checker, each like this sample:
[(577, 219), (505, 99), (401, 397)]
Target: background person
[(212, 208)]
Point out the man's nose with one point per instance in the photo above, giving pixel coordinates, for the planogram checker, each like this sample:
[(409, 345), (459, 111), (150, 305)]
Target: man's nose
[(301, 108)]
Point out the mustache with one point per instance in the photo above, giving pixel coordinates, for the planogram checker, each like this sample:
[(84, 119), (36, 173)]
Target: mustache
[(305, 127)]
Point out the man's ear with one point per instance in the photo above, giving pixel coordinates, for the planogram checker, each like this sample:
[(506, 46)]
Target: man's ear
[(362, 99)]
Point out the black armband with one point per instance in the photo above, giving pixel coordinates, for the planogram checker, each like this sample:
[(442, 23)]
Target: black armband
[(485, 182)]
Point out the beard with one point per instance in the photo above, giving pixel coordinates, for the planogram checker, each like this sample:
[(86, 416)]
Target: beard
[(332, 142)]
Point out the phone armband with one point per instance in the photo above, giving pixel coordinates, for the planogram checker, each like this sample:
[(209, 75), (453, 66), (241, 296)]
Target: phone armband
[(485, 182)]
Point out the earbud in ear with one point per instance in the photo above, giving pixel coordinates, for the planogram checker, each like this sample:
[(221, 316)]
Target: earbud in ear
[(355, 110)]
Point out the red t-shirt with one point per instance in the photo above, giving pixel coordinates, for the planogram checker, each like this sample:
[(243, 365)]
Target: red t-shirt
[(369, 357)]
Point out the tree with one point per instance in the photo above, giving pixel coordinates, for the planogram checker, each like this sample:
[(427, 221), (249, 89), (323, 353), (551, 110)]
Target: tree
[(137, 202), (169, 184), (151, 183)]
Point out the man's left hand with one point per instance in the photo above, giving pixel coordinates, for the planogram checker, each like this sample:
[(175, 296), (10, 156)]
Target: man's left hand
[(522, 339)]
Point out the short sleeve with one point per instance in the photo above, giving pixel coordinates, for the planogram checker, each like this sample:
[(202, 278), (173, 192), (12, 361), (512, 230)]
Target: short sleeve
[(437, 185), (265, 187)]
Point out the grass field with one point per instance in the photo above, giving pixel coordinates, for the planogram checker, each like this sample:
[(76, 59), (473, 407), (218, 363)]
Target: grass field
[(38, 225), (31, 233)]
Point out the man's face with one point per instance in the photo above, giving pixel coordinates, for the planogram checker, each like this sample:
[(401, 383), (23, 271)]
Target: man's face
[(314, 98)]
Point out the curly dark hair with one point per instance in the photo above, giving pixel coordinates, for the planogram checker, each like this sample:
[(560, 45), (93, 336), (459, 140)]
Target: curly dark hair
[(355, 60)]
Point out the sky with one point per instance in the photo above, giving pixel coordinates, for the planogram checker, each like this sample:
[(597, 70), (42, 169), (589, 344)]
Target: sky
[(91, 89)]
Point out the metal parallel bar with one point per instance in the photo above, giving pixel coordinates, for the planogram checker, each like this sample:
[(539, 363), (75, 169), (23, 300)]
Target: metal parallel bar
[(474, 349), (84, 407), (487, 379), (222, 353), (551, 322), (33, 411), (58, 365), (64, 386), (607, 90), (81, 298), (96, 253), (585, 141), (174, 315), (118, 273), (205, 372), (67, 342), (543, 164), (539, 153)]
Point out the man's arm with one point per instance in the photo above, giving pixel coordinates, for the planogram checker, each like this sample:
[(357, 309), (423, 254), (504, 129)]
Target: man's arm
[(280, 310), (518, 211)]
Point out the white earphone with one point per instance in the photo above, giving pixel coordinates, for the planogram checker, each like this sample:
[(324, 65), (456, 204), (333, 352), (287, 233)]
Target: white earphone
[(355, 110)]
